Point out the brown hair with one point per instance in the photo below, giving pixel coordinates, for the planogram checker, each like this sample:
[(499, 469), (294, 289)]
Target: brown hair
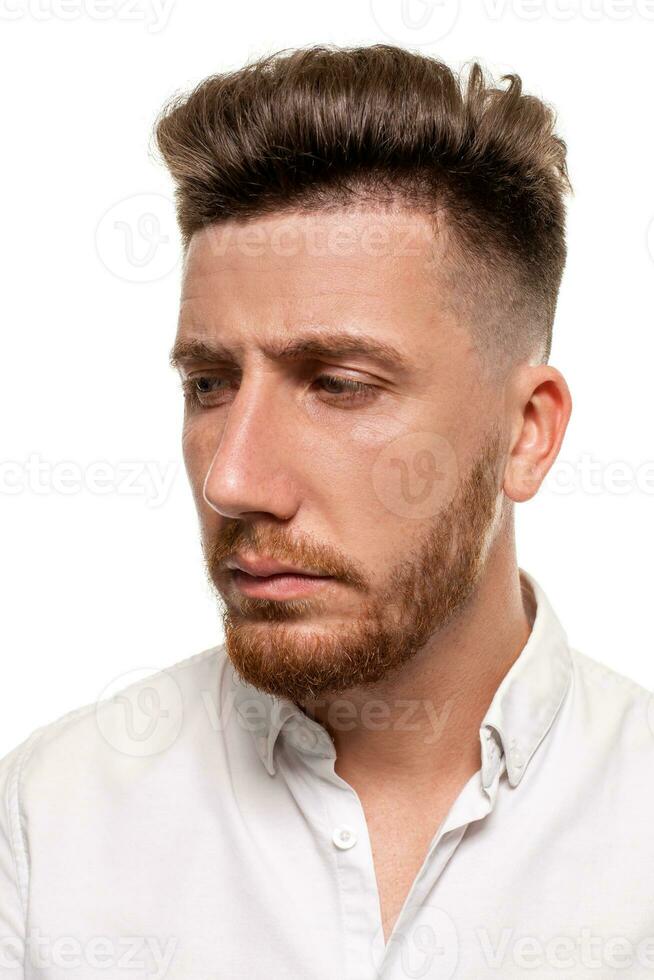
[(325, 126)]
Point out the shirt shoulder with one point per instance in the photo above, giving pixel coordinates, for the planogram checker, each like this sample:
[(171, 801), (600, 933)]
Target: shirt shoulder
[(604, 680), (611, 712), (117, 737), (165, 693), (13, 846), (187, 674)]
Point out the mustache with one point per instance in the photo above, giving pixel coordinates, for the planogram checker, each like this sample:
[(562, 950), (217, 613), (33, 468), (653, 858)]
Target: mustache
[(271, 543)]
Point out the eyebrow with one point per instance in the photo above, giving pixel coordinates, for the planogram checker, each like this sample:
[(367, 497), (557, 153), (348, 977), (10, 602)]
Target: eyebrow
[(316, 345)]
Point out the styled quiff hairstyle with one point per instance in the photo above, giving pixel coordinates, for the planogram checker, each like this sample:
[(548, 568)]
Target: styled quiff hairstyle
[(326, 127)]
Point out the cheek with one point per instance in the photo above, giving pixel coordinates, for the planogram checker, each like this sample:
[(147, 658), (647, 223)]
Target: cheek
[(415, 475), (406, 474), (376, 431), (345, 460)]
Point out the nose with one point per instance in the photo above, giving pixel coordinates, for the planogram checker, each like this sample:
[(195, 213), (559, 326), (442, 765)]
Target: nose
[(252, 471)]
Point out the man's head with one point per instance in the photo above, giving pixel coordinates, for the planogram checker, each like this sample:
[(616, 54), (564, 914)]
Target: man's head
[(372, 259)]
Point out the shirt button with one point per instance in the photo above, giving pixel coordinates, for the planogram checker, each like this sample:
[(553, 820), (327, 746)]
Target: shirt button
[(344, 838)]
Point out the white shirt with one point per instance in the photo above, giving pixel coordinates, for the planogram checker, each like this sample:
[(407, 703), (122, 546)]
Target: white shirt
[(194, 828)]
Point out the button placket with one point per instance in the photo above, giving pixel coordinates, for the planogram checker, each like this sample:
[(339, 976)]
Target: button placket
[(355, 874)]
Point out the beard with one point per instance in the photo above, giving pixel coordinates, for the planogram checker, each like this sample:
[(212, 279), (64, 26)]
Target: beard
[(271, 643)]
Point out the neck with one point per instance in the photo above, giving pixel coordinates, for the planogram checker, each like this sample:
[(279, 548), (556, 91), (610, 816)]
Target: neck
[(422, 722)]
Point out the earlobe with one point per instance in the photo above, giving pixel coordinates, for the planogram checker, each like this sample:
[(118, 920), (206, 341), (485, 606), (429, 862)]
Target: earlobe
[(522, 479)]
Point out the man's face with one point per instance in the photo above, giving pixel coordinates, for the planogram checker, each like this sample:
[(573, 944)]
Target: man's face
[(376, 468)]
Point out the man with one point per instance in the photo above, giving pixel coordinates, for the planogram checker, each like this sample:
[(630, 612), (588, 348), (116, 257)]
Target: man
[(394, 766)]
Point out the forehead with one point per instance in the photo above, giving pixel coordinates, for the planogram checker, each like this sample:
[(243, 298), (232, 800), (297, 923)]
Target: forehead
[(366, 268), (329, 234), (340, 252)]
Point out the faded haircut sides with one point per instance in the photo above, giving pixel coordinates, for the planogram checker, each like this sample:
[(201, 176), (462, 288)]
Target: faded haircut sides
[(325, 127)]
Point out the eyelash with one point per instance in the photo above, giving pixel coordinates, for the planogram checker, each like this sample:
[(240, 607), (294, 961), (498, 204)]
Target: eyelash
[(354, 390)]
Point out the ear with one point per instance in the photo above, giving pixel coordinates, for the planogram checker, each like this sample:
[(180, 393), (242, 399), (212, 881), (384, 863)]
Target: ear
[(539, 412)]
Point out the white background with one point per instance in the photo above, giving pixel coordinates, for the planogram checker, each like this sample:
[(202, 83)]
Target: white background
[(94, 584)]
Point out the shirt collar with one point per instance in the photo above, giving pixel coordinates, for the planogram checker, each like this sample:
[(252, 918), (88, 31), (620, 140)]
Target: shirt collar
[(523, 708), (530, 694)]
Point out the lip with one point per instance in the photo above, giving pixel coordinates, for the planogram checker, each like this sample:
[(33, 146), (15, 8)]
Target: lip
[(263, 567), (278, 586)]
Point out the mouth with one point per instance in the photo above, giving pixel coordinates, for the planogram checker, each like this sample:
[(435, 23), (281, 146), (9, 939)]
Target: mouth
[(283, 585)]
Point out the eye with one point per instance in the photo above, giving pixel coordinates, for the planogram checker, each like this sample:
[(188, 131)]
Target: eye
[(205, 391), (347, 389), (201, 389)]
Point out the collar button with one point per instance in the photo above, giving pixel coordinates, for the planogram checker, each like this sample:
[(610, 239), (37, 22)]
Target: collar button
[(344, 838)]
